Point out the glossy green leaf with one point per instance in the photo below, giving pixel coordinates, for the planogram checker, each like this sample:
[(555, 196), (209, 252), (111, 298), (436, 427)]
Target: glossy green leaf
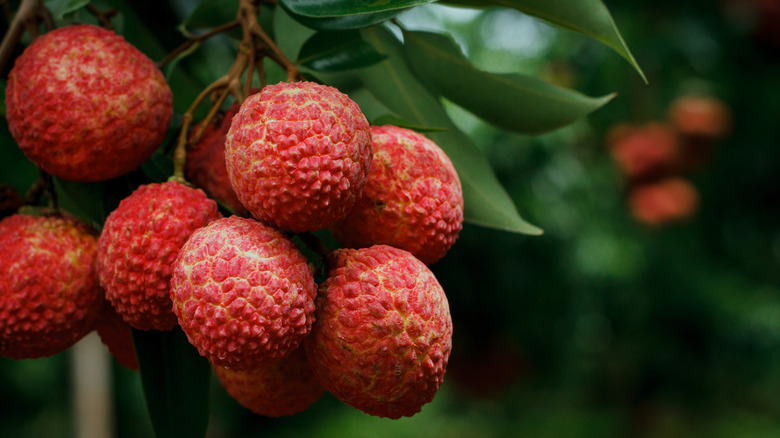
[(175, 380), (337, 51), (511, 101), (588, 17), (347, 22), (60, 8), (486, 201), (340, 8), (210, 13)]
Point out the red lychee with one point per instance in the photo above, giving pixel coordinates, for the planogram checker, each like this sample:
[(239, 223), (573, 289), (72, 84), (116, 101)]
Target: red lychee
[(243, 293), (645, 151), (670, 200), (85, 105), (117, 336), (383, 333), (284, 387), (49, 292), (206, 163), (700, 116), (413, 198), (298, 155), (138, 244)]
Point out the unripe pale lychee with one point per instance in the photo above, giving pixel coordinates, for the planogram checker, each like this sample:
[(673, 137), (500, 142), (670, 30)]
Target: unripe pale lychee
[(413, 198), (206, 163), (85, 105), (298, 155), (138, 244), (383, 333), (243, 293), (284, 387), (117, 336), (49, 292)]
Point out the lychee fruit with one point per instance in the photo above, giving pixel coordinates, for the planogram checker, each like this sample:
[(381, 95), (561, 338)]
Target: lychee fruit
[(298, 154), (413, 198), (700, 116), (205, 166), (669, 200), (49, 292), (383, 333), (137, 247), (243, 293), (645, 151), (117, 336), (85, 105), (284, 387)]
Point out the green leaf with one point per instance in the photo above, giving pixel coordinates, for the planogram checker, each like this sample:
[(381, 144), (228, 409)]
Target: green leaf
[(340, 8), (60, 8), (84, 200), (511, 101), (347, 22), (391, 119), (391, 81), (588, 17), (337, 51), (175, 379), (210, 13)]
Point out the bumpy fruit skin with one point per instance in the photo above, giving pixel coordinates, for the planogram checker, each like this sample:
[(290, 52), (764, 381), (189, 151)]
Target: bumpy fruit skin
[(383, 334), (85, 105), (243, 293), (413, 199), (298, 155), (206, 163), (140, 241), (666, 201), (117, 336), (284, 387), (49, 292)]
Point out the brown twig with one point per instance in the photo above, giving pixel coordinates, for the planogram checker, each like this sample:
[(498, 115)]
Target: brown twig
[(28, 16), (254, 46), (197, 39), (104, 17)]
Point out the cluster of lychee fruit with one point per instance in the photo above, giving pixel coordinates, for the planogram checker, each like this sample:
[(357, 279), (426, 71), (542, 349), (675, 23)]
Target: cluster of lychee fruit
[(655, 156), (291, 160)]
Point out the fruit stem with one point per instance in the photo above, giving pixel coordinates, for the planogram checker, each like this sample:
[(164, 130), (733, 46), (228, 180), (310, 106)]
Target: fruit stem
[(254, 46), (43, 186)]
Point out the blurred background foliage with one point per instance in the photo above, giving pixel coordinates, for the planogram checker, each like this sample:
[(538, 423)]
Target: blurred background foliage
[(604, 326)]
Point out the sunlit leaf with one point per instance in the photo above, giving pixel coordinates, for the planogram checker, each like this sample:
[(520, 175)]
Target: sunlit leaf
[(486, 201), (511, 101), (588, 17), (337, 51)]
